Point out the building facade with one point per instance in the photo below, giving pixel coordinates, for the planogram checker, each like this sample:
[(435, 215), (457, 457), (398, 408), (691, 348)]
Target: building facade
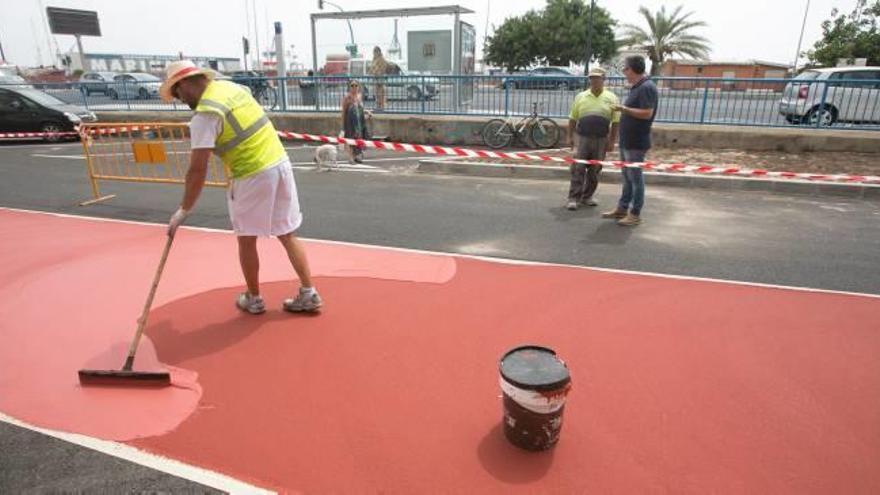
[(118, 62), (743, 70)]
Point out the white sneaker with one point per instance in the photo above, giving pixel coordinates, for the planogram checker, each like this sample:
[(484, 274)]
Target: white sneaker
[(572, 205), (252, 304), (307, 301)]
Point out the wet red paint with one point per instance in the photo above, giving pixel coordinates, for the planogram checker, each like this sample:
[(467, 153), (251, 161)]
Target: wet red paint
[(71, 295), (682, 386)]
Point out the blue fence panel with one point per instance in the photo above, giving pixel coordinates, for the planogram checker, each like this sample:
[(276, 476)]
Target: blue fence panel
[(836, 103)]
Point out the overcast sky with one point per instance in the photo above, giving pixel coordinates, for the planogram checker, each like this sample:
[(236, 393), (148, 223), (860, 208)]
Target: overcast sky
[(739, 30)]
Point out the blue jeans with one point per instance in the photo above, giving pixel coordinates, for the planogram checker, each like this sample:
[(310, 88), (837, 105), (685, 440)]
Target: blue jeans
[(633, 183)]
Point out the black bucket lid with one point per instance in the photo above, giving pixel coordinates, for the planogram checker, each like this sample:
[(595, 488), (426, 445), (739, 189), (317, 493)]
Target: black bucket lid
[(533, 367)]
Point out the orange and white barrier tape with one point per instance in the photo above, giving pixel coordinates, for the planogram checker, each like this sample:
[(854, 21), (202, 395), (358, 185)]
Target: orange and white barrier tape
[(91, 132), (101, 131), (649, 166), (23, 135), (727, 170)]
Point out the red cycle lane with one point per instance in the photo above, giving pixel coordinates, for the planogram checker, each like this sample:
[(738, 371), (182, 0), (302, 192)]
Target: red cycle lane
[(678, 385)]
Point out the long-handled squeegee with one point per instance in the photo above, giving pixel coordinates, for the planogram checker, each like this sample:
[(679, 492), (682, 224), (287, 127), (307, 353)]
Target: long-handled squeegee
[(126, 377)]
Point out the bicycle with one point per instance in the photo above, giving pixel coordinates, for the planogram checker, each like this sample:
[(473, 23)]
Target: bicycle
[(261, 89), (533, 130), (265, 95)]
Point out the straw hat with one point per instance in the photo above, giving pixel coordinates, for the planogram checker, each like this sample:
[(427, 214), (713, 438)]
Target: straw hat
[(177, 70), (596, 72)]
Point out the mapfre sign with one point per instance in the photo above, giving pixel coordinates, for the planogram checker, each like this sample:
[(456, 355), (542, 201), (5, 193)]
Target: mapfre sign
[(112, 62)]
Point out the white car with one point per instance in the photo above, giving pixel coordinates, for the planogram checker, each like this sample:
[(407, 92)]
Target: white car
[(826, 96), (9, 78), (134, 85), (399, 84)]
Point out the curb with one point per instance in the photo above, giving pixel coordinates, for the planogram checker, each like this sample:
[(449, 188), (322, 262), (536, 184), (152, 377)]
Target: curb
[(555, 172)]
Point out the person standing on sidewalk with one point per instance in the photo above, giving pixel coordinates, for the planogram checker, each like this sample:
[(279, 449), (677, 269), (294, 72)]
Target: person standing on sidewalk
[(638, 112), (378, 69), (354, 121), (262, 197), (593, 117)]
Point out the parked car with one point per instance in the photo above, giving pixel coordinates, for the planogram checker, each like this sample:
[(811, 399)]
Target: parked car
[(31, 110), (9, 77), (827, 96), (402, 85), (545, 78), (134, 85), (96, 82), (250, 78)]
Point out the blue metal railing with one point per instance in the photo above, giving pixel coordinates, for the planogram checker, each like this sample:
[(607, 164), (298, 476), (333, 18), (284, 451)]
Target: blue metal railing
[(842, 103)]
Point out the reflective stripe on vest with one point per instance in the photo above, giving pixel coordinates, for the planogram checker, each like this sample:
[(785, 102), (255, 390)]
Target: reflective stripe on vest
[(245, 150)]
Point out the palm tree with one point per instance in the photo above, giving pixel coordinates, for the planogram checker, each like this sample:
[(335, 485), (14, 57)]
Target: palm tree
[(667, 34)]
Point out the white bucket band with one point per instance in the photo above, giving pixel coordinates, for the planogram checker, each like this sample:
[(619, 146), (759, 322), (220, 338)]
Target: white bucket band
[(537, 402)]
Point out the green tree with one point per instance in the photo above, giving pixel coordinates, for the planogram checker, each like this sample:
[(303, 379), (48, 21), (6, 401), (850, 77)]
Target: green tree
[(555, 35), (512, 46), (849, 37), (666, 35)]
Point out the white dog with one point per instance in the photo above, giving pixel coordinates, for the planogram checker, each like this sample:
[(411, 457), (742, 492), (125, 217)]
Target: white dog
[(326, 156)]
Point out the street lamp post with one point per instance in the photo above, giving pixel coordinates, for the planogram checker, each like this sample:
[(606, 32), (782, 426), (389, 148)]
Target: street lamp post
[(589, 39), (800, 40), (352, 48)]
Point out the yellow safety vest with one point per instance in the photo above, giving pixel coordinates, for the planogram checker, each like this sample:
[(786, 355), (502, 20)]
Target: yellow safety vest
[(249, 142)]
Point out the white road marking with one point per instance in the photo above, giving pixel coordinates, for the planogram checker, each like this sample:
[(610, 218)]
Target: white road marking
[(152, 461), (51, 146), (477, 257), (68, 157)]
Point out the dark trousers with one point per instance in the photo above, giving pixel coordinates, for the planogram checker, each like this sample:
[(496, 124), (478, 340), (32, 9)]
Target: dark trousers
[(585, 178)]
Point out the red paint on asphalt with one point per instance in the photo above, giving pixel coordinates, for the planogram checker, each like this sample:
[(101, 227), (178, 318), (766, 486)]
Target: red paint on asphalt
[(678, 386)]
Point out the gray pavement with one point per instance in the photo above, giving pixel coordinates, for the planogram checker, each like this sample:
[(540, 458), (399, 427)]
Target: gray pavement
[(32, 463), (753, 236)]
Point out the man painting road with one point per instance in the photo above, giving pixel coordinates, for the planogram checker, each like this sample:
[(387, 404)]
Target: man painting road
[(262, 198)]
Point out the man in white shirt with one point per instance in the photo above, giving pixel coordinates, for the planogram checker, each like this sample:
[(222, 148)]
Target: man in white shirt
[(262, 197)]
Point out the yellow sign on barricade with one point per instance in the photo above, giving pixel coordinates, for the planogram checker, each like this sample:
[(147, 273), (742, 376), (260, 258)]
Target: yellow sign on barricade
[(155, 152)]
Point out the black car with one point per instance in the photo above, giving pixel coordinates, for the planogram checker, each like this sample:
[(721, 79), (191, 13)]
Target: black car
[(545, 78), (31, 110)]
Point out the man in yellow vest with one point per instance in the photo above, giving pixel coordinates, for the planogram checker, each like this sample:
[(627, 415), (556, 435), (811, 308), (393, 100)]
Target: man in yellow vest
[(262, 197), (595, 121)]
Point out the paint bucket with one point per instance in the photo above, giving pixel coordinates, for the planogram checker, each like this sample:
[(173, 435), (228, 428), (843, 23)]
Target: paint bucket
[(534, 384)]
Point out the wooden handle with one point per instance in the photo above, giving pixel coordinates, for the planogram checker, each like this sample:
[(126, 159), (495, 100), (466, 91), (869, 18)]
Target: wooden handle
[(142, 321)]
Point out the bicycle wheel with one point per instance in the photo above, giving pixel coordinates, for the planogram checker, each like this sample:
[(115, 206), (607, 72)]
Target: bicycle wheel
[(545, 133), (268, 98), (497, 133)]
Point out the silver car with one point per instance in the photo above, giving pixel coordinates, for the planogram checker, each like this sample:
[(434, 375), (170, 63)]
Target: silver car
[(96, 82), (9, 78), (823, 97), (135, 85), (400, 85)]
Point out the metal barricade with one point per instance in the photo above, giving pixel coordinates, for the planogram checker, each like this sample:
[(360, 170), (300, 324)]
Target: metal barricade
[(156, 153)]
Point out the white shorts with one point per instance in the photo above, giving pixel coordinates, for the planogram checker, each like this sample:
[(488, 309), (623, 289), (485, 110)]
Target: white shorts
[(265, 204)]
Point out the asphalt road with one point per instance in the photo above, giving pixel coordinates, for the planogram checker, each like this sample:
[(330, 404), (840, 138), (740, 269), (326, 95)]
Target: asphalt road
[(805, 241), (33, 463)]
